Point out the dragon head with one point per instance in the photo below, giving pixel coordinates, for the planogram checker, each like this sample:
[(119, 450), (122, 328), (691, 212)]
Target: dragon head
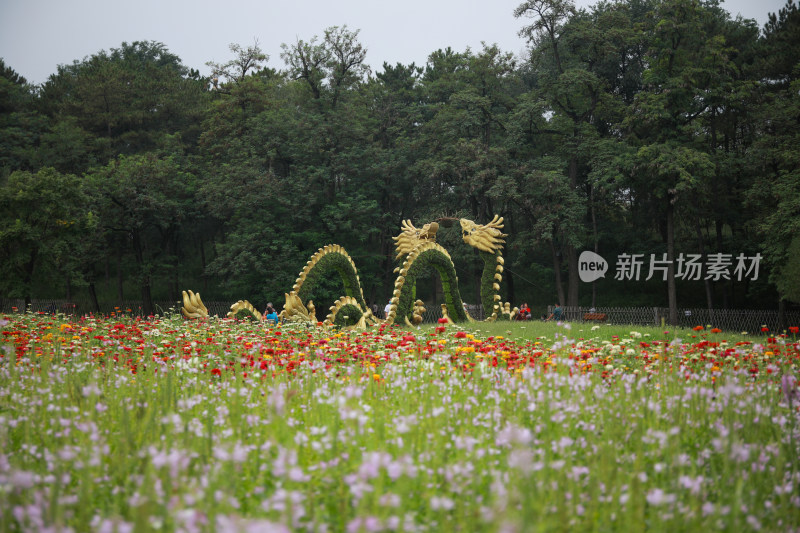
[(410, 237), (487, 238)]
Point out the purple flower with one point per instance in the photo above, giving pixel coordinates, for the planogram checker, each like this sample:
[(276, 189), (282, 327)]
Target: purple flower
[(659, 497), (789, 388), (442, 503)]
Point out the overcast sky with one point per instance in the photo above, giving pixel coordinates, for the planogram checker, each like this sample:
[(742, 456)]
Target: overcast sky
[(38, 35)]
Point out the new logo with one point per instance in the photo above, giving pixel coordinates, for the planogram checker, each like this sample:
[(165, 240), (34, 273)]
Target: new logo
[(591, 266)]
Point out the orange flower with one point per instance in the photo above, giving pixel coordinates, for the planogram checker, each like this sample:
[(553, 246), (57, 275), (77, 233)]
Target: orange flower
[(698, 328)]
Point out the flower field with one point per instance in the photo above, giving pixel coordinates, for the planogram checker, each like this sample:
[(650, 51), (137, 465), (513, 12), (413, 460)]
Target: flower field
[(122, 424)]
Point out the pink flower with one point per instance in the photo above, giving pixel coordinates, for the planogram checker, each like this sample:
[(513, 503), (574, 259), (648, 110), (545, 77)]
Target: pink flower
[(659, 497), (789, 388)]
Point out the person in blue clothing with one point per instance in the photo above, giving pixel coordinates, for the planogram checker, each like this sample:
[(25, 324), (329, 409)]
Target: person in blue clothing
[(557, 313)]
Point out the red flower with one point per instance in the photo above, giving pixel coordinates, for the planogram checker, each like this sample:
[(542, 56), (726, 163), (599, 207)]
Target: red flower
[(460, 335), (794, 329), (216, 372), (716, 330), (442, 320), (440, 329), (764, 329)]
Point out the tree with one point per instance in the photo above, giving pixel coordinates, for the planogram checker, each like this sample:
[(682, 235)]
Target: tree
[(564, 52), (235, 70), (148, 198), (774, 157), (20, 124), (334, 65), (42, 215), (671, 123), (129, 99)]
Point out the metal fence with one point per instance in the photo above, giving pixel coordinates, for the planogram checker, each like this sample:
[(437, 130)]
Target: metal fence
[(86, 307), (125, 307), (750, 320), (134, 308)]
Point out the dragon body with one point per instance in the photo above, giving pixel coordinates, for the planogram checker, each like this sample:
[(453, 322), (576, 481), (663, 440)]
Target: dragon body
[(417, 250)]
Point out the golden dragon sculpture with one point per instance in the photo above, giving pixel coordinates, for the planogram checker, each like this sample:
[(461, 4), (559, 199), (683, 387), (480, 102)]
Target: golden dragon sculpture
[(417, 249)]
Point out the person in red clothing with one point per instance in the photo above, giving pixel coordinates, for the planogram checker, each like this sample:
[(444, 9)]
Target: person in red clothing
[(524, 312)]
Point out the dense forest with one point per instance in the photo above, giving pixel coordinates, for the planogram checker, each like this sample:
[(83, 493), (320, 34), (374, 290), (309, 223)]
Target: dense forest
[(665, 128)]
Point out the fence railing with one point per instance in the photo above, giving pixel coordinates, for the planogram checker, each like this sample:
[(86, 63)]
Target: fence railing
[(125, 307), (134, 308), (750, 320), (84, 307)]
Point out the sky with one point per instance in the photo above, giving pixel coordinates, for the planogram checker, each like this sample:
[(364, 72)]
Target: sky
[(38, 35)]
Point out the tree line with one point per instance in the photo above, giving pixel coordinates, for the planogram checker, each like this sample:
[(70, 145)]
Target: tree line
[(659, 129)]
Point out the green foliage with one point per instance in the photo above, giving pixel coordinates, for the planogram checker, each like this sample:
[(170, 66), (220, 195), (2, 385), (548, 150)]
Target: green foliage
[(128, 99), (347, 316), (245, 314), (330, 265), (426, 262), (42, 218), (149, 198), (788, 274), (20, 123), (774, 162), (627, 127)]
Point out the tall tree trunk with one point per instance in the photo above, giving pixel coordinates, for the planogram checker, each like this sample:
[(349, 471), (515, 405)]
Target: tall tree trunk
[(557, 270), (27, 278), (93, 296), (144, 276), (706, 282), (573, 279), (173, 249), (509, 279), (147, 299), (596, 240), (672, 296), (719, 227), (120, 292), (203, 264), (388, 266)]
